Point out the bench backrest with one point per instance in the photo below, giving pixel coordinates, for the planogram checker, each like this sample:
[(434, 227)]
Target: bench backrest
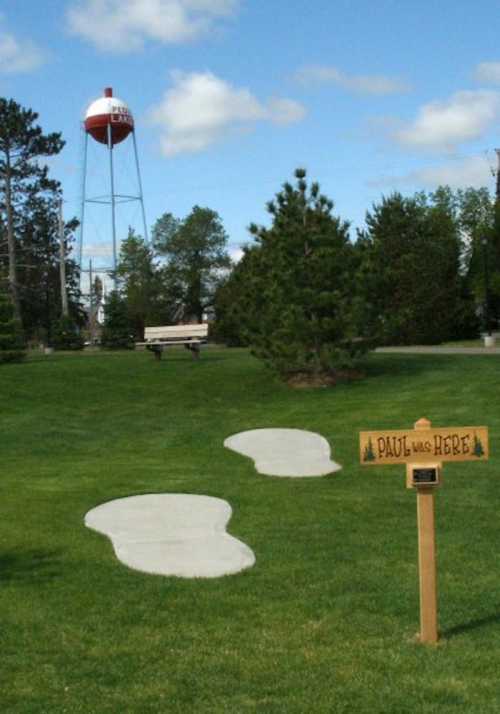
[(176, 332)]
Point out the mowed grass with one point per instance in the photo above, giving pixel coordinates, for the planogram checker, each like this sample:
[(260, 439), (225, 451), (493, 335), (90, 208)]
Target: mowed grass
[(326, 619)]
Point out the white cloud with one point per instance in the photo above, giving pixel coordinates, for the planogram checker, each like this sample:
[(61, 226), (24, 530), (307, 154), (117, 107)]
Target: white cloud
[(18, 56), (443, 125), (200, 109), (285, 111), (362, 84), (471, 171), (488, 72), (125, 25)]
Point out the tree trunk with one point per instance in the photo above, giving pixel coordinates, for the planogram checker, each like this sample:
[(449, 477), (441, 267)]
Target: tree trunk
[(62, 263), (11, 243)]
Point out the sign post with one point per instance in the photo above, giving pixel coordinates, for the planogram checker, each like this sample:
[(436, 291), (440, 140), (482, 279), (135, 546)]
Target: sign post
[(423, 450), (426, 554)]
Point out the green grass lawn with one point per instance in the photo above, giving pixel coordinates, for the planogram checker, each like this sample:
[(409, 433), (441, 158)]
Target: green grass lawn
[(326, 619)]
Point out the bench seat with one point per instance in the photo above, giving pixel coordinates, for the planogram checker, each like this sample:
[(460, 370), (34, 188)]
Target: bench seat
[(157, 339)]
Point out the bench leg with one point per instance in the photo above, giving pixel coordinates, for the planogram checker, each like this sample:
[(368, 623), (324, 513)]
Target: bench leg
[(156, 350), (194, 349)]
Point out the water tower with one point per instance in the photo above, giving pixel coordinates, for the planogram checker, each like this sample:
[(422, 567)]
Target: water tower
[(109, 121)]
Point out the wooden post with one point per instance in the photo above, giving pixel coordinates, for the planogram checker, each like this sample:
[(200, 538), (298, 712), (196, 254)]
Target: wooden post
[(427, 557)]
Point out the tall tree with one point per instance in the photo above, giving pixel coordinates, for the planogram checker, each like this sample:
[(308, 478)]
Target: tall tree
[(195, 252), (22, 144)]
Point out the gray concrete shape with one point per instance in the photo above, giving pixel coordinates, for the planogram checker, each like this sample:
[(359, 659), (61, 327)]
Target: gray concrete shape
[(172, 534), (285, 452)]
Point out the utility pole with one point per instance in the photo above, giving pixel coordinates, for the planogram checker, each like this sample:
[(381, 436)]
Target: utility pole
[(497, 190), (91, 304), (62, 262), (487, 324)]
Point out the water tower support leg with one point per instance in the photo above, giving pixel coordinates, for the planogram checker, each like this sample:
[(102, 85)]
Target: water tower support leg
[(113, 216), (141, 197), (82, 205)]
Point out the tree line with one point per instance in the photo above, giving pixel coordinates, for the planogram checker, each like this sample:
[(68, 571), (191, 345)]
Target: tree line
[(305, 296), (175, 279)]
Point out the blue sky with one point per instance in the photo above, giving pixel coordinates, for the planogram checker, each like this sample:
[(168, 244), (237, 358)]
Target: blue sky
[(230, 96)]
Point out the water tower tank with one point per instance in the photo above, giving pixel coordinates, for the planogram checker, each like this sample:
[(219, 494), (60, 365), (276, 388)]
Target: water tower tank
[(109, 111)]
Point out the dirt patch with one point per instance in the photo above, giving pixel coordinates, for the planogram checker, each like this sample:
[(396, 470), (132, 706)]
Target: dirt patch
[(305, 380)]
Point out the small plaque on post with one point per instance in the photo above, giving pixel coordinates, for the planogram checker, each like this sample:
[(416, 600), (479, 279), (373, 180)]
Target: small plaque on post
[(423, 475)]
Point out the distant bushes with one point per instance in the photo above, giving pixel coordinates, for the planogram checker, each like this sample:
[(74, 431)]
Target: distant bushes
[(67, 335), (11, 336)]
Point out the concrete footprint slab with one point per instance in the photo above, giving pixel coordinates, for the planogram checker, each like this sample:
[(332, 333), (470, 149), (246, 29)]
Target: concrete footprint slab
[(285, 452), (172, 534)]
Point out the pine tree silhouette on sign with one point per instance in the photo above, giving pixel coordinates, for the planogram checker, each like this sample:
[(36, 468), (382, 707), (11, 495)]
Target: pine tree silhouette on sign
[(369, 454), (478, 447)]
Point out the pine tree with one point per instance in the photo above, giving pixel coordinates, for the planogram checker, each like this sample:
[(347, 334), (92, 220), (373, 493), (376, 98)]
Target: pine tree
[(299, 291), (117, 332), (11, 342), (237, 302)]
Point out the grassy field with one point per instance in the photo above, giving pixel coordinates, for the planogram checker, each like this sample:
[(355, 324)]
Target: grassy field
[(326, 619)]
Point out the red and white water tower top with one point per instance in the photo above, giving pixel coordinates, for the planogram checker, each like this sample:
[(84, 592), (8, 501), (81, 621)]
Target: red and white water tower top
[(109, 111)]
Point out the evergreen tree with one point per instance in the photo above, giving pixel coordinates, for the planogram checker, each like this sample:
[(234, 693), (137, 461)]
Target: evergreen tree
[(410, 271), (299, 291), (11, 341), (117, 332), (22, 176), (237, 302)]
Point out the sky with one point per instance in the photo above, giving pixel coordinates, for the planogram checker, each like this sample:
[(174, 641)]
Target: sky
[(230, 96)]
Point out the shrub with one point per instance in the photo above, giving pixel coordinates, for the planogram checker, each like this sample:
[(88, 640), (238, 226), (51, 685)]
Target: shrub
[(67, 335), (11, 336)]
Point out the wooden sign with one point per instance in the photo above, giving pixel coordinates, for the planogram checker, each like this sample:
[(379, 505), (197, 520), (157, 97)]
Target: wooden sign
[(423, 450), (465, 443)]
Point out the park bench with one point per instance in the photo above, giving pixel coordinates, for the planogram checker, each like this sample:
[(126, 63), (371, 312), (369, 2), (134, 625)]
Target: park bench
[(157, 339)]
